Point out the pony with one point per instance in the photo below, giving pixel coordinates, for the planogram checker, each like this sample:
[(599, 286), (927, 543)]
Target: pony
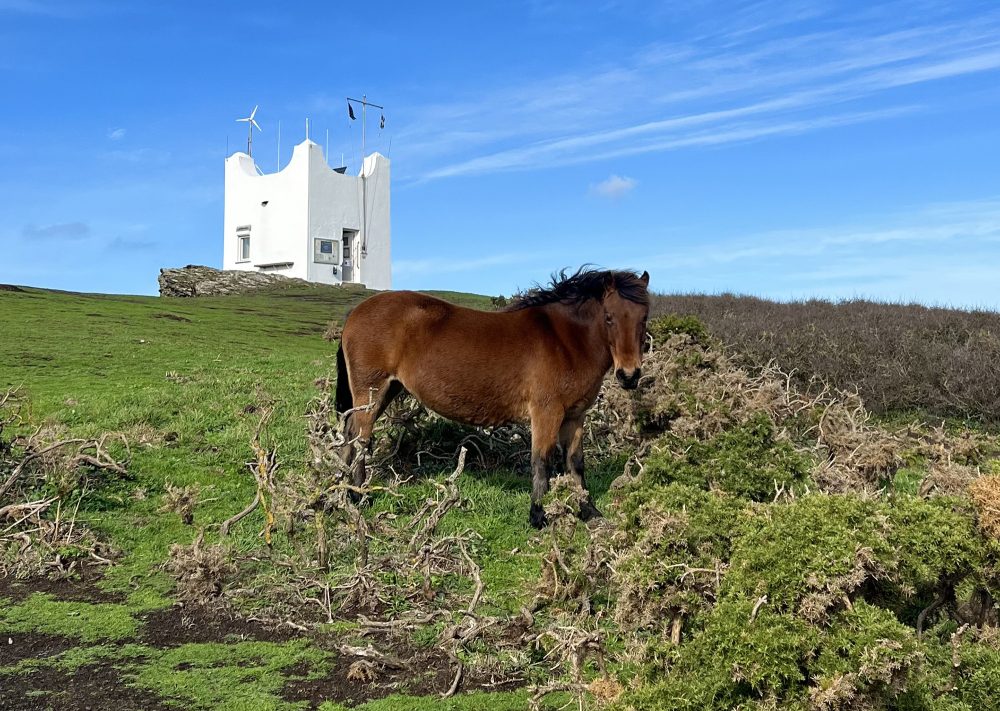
[(541, 360)]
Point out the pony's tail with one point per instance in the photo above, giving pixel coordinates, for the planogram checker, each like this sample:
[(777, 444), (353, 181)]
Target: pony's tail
[(345, 401)]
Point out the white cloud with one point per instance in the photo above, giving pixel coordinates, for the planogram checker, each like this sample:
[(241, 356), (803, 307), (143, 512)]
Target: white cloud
[(116, 134), (711, 89), (614, 187)]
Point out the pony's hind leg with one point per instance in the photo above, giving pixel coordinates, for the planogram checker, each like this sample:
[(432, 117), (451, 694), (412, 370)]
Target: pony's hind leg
[(544, 445), (368, 407), (571, 441)]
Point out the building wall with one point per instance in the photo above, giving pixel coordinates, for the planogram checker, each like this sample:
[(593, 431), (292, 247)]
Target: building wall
[(307, 200), (376, 266)]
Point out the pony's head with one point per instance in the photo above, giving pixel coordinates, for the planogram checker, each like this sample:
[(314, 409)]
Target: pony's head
[(626, 308), (623, 300)]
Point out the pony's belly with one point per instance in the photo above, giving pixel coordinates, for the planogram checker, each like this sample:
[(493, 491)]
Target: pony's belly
[(482, 407)]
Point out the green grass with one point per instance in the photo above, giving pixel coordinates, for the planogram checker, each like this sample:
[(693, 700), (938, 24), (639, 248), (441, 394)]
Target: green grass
[(85, 621), (180, 377)]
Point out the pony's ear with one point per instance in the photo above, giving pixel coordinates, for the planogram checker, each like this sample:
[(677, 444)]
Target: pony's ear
[(644, 278)]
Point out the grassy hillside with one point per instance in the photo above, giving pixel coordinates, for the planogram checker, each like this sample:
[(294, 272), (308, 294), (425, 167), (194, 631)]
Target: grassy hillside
[(766, 548), (181, 379)]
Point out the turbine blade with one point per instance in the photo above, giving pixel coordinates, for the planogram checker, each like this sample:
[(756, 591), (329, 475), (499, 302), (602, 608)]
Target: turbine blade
[(254, 112), (238, 120), (257, 125)]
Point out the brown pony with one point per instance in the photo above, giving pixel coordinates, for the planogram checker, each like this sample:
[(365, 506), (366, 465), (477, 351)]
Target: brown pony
[(541, 360)]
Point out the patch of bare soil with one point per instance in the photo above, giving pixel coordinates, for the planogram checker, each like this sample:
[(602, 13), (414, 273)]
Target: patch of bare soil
[(353, 679), (177, 625), (89, 688), (356, 679), (81, 588)]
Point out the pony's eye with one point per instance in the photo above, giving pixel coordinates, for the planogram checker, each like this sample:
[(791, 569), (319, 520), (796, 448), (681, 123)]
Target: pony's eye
[(608, 319)]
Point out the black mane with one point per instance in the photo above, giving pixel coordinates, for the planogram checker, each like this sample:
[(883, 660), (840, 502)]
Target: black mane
[(582, 286)]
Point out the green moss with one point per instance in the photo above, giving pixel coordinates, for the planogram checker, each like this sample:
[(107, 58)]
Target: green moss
[(746, 460), (82, 620)]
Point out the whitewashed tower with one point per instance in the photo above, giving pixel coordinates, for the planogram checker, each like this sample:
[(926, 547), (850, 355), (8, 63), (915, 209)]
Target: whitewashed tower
[(308, 220)]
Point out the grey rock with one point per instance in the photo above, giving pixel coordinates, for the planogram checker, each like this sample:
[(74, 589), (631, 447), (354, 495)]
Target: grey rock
[(194, 280)]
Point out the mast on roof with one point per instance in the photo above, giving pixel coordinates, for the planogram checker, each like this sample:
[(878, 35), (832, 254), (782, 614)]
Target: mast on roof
[(364, 182), (251, 124)]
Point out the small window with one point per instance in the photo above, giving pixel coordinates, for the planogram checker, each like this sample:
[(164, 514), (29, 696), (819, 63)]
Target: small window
[(325, 252), (244, 249)]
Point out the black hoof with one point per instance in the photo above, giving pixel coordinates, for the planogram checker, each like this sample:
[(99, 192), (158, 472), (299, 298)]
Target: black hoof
[(589, 511), (537, 517)]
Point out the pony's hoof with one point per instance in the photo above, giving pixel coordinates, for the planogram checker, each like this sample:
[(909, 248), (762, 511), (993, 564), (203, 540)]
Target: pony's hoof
[(537, 517), (589, 511)]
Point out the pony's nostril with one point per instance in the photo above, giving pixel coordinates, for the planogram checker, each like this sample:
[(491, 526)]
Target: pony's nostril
[(620, 374)]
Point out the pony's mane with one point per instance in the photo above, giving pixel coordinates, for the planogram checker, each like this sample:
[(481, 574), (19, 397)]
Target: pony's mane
[(582, 286)]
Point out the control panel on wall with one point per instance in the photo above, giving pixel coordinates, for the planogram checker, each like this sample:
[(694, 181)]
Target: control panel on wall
[(326, 251)]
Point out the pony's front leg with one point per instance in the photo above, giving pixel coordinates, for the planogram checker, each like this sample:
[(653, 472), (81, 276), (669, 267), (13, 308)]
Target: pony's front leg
[(571, 439), (544, 441)]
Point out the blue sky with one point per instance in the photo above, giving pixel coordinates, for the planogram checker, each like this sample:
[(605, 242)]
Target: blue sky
[(785, 149)]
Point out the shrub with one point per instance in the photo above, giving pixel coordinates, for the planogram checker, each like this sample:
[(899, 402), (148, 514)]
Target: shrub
[(737, 660), (864, 659), (936, 541), (746, 460), (811, 554), (677, 540), (898, 356), (661, 328)]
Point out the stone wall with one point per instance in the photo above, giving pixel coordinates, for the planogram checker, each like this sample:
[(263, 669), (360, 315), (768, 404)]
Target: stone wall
[(194, 280)]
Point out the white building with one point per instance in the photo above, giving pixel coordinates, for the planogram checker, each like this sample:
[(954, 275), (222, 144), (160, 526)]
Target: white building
[(308, 220)]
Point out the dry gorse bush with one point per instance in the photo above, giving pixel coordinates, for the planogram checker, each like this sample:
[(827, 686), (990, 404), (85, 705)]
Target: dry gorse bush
[(327, 559), (44, 478), (181, 500), (985, 494), (201, 572), (896, 356)]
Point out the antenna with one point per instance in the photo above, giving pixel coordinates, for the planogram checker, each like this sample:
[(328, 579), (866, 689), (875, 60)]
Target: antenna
[(364, 116), (307, 129), (364, 183), (251, 124)]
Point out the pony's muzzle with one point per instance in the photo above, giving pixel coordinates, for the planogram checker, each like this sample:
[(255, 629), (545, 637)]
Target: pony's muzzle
[(629, 381)]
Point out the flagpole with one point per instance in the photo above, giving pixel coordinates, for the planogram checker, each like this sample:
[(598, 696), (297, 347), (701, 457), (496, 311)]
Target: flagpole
[(364, 182)]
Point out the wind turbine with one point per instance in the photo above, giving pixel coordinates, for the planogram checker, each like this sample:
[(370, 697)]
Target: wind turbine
[(251, 123)]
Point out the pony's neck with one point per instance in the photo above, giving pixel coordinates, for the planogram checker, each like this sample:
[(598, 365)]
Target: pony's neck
[(585, 321)]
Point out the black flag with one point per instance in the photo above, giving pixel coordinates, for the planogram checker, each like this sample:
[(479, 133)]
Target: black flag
[(350, 110), (381, 123)]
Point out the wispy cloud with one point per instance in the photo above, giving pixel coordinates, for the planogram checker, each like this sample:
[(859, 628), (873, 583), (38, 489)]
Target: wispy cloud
[(47, 8), (968, 222), (614, 187), (939, 253), (116, 134), (55, 232), (710, 90)]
